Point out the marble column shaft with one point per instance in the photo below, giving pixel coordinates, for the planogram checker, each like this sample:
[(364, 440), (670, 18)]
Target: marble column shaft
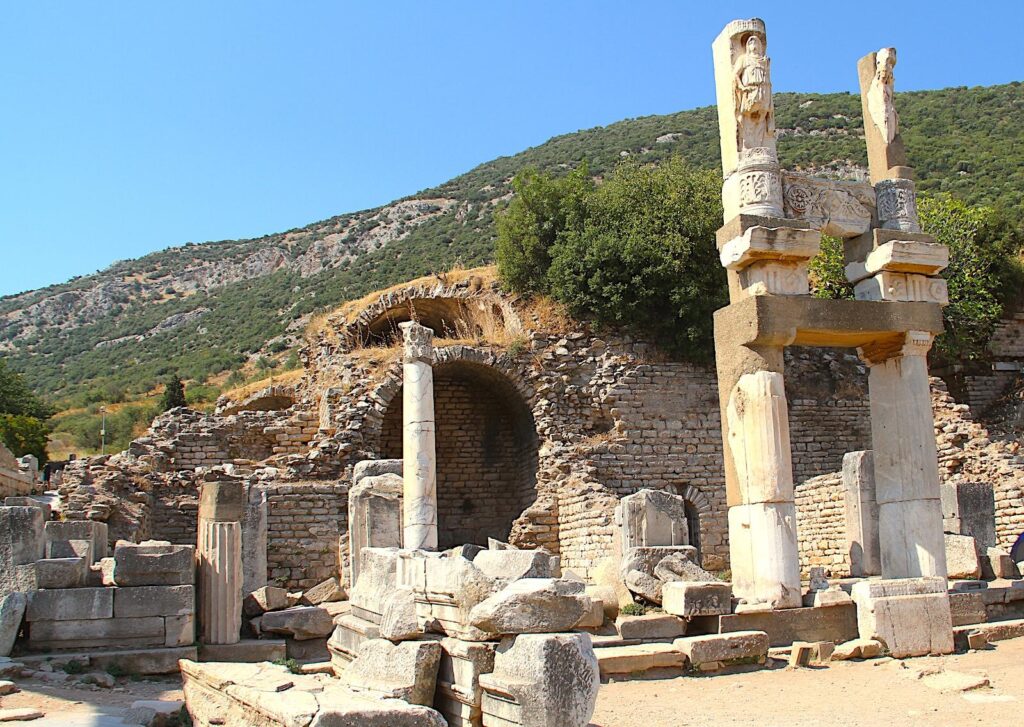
[(419, 497), (906, 462), (221, 509)]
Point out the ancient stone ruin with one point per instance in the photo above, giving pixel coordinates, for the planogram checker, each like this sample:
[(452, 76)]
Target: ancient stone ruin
[(471, 510)]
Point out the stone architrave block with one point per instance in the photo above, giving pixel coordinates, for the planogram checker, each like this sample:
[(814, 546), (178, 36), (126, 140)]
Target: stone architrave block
[(910, 616), (80, 634), (690, 599), (514, 564), (962, 557), (154, 601), (902, 287), (154, 563), (406, 671), (300, 623), (458, 694), (652, 518), (12, 610), (374, 514), (69, 530), (650, 626), (758, 426), (532, 606), (840, 208), (901, 256), (737, 646), (70, 604), (62, 572), (377, 580), (542, 680), (21, 536)]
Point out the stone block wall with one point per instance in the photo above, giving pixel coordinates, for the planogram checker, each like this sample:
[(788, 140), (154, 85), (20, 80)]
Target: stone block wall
[(821, 525), (16, 484), (307, 529)]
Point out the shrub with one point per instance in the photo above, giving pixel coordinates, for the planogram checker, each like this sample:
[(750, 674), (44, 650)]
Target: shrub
[(174, 394)]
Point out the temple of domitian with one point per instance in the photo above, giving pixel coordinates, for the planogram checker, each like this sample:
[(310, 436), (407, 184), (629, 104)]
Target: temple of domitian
[(472, 508)]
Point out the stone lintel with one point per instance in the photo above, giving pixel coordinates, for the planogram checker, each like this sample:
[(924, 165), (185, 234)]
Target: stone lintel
[(738, 225), (769, 243), (857, 249), (901, 256)]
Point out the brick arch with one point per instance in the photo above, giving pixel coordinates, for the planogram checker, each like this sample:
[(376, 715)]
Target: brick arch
[(695, 496)]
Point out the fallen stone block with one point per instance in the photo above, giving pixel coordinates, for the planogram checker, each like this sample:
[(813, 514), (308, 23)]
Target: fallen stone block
[(307, 650), (962, 557), (650, 626), (1001, 564), (541, 680), (697, 598), (300, 622), (72, 603), (267, 598), (740, 647), (532, 606), (513, 564), (646, 559), (681, 567), (608, 597), (21, 534), (828, 597), (20, 714), (630, 659), (910, 616), (328, 591), (349, 634), (12, 610), (458, 695), (858, 649), (57, 531), (593, 619), (977, 640), (61, 572), (800, 654), (406, 671), (967, 608), (153, 563), (154, 601), (646, 586), (447, 587), (247, 651), (784, 626), (399, 621)]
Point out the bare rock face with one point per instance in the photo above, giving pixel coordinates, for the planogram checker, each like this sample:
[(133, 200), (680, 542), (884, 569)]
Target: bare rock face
[(542, 680), (532, 606), (406, 671)]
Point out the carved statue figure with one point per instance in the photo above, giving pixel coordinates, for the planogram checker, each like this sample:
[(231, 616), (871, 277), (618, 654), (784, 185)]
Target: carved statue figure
[(880, 95), (753, 95)]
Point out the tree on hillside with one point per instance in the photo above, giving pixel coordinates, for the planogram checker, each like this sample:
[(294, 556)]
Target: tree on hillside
[(174, 394), (23, 426), (637, 251)]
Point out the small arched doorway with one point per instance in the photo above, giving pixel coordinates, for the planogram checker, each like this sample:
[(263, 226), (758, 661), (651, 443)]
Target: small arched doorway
[(486, 451), (697, 505)]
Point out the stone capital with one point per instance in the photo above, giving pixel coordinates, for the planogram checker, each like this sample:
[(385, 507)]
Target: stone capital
[(418, 341), (914, 343)]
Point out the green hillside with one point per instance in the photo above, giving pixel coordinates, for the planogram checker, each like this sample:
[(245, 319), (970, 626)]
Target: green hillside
[(204, 309)]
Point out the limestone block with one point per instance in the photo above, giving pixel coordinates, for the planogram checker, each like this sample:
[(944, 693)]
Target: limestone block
[(70, 549), (827, 598), (12, 610), (328, 591), (607, 597), (650, 626), (652, 518), (30, 502), (542, 680), (697, 598), (349, 634), (759, 243), (758, 426), (375, 468), (967, 608), (633, 658), (21, 535), (861, 512), (406, 671), (377, 580), (532, 606), (267, 598), (374, 512), (399, 621), (679, 567), (594, 619), (222, 500), (179, 630), (911, 537), (70, 604), (220, 579), (67, 530), (857, 649), (84, 633), (447, 587), (1001, 563), (738, 646), (254, 539), (910, 616), (153, 563), (763, 554), (300, 622), (904, 287), (246, 650), (513, 564), (154, 601), (646, 559), (901, 256), (458, 694), (645, 586), (962, 557), (783, 627), (61, 572)]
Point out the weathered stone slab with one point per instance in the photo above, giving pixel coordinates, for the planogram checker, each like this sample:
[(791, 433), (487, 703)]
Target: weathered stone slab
[(70, 604), (267, 598), (911, 617), (328, 591), (65, 530), (631, 659), (697, 598), (967, 608), (962, 557), (349, 634), (12, 610), (377, 580), (399, 621), (731, 648), (458, 693), (61, 572), (652, 517), (153, 563), (406, 671), (447, 587), (514, 564), (542, 680), (650, 626), (532, 606), (646, 559), (374, 509), (248, 651), (997, 631), (21, 535), (154, 601), (301, 622), (80, 634), (785, 626)]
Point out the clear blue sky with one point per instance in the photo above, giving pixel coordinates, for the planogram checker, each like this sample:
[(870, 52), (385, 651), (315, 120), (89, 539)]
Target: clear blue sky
[(127, 127)]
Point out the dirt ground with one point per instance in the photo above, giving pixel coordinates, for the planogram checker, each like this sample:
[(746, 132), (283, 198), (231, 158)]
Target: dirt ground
[(926, 691), (869, 693)]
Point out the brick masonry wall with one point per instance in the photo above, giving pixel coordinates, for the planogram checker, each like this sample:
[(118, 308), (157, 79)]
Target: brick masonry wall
[(821, 525), (307, 532)]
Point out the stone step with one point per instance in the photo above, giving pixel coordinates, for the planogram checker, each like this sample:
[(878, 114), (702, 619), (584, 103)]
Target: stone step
[(992, 631), (638, 658), (129, 661)]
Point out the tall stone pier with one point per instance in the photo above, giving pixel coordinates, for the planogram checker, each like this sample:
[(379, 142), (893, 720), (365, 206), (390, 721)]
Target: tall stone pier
[(221, 509), (419, 496)]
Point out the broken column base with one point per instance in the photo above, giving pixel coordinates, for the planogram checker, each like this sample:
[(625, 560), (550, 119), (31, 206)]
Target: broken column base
[(910, 616)]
